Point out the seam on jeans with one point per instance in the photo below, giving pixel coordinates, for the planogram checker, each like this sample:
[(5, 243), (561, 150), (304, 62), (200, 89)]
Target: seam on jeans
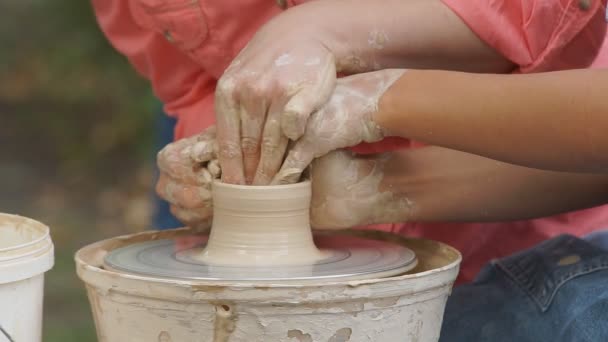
[(510, 279), (544, 301), (603, 265)]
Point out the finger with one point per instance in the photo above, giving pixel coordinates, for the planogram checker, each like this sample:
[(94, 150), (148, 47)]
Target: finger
[(208, 134), (204, 177), (203, 151), (189, 173), (329, 188), (228, 133), (253, 112), (183, 160), (302, 104), (214, 169), (174, 159), (274, 144), (192, 218), (298, 159), (185, 196)]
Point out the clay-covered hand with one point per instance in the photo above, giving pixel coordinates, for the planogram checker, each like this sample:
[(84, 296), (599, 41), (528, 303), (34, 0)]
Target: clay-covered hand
[(266, 96), (350, 191), (346, 120), (187, 170), (435, 184)]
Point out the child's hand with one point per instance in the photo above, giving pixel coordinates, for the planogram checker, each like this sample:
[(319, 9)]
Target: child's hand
[(187, 169), (344, 121), (348, 191)]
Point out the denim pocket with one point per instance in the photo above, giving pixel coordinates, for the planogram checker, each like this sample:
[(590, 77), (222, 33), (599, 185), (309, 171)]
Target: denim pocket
[(542, 270)]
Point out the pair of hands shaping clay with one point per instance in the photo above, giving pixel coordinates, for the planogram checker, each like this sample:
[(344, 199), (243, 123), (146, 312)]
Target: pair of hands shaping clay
[(345, 188), (345, 120), (278, 90)]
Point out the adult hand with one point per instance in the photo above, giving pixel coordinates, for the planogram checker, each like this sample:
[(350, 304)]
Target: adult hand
[(267, 94), (346, 120), (187, 169)]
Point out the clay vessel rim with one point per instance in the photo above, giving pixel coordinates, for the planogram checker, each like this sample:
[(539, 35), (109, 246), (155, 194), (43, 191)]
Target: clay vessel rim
[(300, 185)]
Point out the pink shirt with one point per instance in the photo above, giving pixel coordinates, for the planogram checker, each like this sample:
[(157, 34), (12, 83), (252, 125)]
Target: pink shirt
[(183, 47)]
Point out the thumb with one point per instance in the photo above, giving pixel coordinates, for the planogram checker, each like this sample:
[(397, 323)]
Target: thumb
[(298, 159), (301, 105), (203, 151)]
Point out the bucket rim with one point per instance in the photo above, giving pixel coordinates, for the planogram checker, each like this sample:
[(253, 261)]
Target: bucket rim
[(45, 232), (93, 275)]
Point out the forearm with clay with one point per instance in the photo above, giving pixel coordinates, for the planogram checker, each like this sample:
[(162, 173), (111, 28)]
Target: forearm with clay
[(443, 185), (435, 184), (421, 34)]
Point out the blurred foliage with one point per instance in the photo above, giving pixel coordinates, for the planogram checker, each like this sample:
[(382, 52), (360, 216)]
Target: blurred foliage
[(76, 146), (69, 88)]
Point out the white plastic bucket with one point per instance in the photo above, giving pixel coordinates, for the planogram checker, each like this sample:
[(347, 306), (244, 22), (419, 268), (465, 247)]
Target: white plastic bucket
[(26, 252)]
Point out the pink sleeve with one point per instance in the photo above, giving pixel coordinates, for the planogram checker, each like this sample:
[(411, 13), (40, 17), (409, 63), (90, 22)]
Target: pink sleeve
[(537, 35), (185, 88)]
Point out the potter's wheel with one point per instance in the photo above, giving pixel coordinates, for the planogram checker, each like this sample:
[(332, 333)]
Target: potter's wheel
[(354, 259)]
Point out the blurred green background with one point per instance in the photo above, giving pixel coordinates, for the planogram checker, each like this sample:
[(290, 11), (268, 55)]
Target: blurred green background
[(76, 140)]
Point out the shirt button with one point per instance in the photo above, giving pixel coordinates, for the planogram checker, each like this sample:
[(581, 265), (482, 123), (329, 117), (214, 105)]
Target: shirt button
[(168, 36), (281, 3), (584, 5)]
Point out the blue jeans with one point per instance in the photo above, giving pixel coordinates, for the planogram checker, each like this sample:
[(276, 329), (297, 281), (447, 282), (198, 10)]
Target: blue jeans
[(554, 292)]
